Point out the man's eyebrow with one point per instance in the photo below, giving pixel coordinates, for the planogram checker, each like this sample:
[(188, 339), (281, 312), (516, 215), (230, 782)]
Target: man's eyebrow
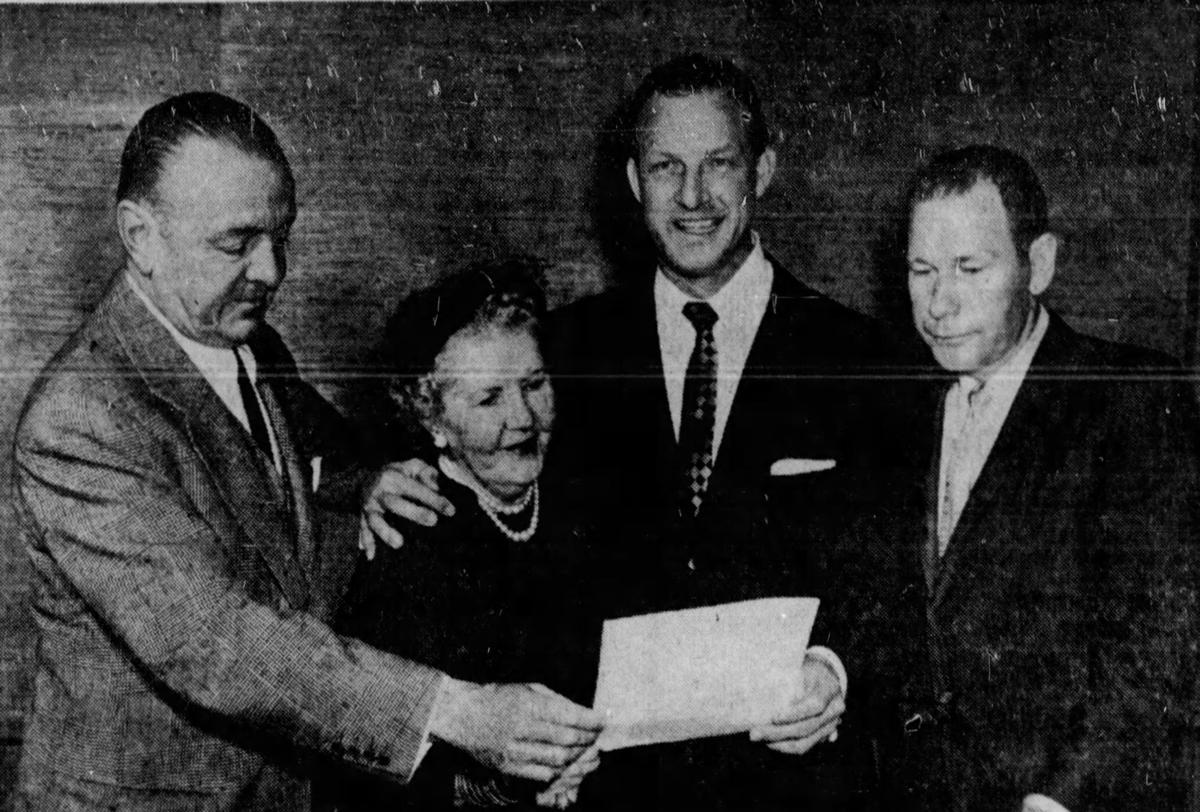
[(981, 253), (240, 230)]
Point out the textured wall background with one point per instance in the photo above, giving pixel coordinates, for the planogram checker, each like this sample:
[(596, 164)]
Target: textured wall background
[(426, 135)]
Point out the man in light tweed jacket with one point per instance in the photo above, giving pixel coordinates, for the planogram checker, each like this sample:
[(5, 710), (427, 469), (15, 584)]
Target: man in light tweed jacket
[(166, 475)]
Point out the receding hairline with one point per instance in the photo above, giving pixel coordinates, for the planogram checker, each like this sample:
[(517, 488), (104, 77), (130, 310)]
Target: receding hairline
[(736, 113), (172, 157)]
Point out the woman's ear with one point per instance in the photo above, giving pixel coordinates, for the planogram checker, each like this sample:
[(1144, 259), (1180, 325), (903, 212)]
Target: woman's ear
[(423, 397)]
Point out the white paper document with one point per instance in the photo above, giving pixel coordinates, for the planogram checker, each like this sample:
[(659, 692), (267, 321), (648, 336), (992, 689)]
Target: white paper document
[(710, 671)]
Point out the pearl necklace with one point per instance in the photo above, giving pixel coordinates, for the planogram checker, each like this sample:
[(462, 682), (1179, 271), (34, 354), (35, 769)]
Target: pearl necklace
[(492, 507)]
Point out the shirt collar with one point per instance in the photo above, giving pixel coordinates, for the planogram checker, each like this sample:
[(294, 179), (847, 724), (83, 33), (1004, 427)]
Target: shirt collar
[(750, 283), (208, 359), (1009, 375)]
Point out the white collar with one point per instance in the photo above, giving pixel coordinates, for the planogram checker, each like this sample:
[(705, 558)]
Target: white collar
[(207, 358), (749, 285), (1009, 375)]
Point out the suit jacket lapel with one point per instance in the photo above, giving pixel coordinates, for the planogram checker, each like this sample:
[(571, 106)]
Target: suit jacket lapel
[(294, 480), (246, 481), (1015, 465), (930, 560), (641, 367), (780, 346)]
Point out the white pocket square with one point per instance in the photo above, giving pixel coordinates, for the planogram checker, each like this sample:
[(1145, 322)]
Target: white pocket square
[(314, 466), (791, 466)]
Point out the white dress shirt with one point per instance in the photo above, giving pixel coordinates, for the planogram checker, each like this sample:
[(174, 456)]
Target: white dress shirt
[(218, 366), (975, 412), (740, 306)]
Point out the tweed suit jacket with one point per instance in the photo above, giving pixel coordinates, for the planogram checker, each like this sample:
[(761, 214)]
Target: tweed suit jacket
[(182, 588), (1053, 646), (809, 391)]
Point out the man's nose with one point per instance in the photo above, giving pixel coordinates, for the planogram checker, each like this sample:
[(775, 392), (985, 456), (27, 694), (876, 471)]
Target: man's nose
[(693, 192), (943, 299), (268, 263)]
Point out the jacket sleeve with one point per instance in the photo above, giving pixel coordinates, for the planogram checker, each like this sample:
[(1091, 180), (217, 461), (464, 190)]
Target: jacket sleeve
[(99, 489)]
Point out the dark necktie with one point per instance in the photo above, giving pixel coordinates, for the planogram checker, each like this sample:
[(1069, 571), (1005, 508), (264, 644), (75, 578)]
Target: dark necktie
[(698, 415), (254, 415)]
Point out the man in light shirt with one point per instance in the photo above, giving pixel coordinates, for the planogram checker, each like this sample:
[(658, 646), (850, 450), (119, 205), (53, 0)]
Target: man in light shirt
[(169, 468), (1057, 558)]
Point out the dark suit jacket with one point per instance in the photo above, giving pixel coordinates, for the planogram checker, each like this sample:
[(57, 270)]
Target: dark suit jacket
[(810, 390), (1056, 638), (182, 587)]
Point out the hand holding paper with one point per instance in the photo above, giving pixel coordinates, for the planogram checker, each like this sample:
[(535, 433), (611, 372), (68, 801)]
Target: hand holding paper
[(811, 718), (710, 671)]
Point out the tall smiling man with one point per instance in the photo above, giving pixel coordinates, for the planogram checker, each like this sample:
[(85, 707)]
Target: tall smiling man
[(716, 417), (1055, 542), (166, 466)]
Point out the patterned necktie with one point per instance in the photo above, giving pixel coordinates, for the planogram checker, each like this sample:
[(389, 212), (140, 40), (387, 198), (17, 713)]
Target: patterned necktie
[(254, 415), (697, 416)]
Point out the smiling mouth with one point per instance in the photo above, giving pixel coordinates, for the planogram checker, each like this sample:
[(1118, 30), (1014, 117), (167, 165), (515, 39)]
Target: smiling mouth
[(525, 447), (957, 338), (698, 227)]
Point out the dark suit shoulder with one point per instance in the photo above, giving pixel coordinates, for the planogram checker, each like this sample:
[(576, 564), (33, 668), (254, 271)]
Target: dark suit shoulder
[(843, 335), (577, 318), (1115, 355), (1122, 379)]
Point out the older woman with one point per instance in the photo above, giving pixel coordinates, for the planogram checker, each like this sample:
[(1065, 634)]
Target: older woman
[(496, 593)]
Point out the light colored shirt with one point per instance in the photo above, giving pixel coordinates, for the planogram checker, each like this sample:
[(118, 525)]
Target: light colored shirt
[(974, 413), (219, 368), (740, 306)]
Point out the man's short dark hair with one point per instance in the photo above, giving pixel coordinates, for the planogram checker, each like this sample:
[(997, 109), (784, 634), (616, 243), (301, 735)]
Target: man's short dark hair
[(697, 73), (164, 127), (957, 171)]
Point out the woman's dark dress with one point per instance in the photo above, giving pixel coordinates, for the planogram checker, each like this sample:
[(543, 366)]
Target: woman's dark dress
[(465, 599)]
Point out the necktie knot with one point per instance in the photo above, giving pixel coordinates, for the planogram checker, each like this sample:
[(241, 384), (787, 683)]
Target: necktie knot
[(971, 391), (700, 314)]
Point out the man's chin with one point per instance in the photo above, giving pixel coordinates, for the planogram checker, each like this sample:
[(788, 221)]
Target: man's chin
[(956, 364), (236, 332)]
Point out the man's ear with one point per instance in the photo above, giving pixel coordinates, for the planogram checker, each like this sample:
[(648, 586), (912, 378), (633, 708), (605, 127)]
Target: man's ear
[(764, 171), (1043, 253), (631, 175), (139, 234)]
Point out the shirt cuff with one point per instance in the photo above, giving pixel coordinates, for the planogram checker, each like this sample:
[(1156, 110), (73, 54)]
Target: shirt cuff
[(1035, 802), (425, 745), (827, 656)]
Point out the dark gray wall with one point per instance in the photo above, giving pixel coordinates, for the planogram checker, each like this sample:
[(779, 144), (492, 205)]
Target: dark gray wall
[(426, 135)]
